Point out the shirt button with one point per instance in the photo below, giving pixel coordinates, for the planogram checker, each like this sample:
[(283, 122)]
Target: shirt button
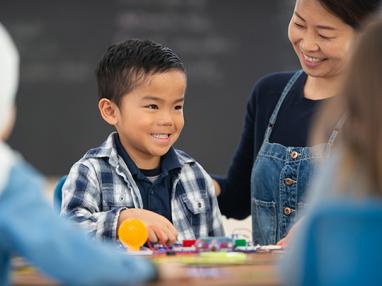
[(288, 211), (289, 181), (294, 155)]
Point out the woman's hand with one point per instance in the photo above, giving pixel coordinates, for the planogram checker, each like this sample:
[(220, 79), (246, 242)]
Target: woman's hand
[(286, 240), (217, 187)]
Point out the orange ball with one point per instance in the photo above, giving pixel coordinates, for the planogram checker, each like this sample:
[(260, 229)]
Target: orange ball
[(133, 234)]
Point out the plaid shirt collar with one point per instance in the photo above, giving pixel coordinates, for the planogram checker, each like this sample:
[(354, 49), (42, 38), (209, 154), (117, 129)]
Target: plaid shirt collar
[(108, 150), (169, 161)]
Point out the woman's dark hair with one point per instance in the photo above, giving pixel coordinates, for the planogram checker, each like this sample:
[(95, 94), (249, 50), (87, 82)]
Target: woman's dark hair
[(352, 12)]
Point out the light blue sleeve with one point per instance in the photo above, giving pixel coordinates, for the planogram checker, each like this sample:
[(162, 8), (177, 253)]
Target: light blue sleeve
[(30, 228)]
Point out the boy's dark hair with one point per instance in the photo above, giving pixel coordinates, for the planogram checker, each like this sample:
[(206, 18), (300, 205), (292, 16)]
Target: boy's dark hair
[(352, 12), (125, 65)]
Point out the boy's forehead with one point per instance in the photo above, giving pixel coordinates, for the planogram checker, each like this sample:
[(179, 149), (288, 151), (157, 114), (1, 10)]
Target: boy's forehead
[(145, 79), (161, 86), (160, 98), (171, 73)]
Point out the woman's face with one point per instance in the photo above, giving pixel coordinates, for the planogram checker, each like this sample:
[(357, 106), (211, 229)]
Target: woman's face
[(320, 39)]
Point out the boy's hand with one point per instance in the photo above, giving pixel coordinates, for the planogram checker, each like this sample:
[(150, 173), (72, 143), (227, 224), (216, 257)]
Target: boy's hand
[(160, 228)]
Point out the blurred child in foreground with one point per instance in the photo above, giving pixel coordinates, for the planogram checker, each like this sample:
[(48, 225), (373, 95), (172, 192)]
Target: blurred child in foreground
[(28, 225)]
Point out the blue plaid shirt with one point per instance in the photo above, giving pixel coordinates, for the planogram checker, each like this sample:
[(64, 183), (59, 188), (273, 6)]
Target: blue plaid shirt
[(99, 186)]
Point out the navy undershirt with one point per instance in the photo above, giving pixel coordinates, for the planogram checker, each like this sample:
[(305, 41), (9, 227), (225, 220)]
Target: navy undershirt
[(291, 129), (156, 196)]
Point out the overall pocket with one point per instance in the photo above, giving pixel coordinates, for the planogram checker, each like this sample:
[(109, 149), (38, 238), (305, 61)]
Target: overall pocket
[(263, 222)]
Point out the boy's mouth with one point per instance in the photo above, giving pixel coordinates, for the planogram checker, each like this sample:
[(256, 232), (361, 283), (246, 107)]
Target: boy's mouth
[(161, 135)]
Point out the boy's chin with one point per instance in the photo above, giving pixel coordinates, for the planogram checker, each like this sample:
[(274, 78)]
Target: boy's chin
[(160, 152)]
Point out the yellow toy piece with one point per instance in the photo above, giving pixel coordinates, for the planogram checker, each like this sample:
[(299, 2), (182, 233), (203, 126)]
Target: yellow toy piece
[(133, 234)]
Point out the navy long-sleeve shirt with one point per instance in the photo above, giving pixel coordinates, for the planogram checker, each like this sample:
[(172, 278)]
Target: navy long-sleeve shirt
[(291, 129), (156, 196)]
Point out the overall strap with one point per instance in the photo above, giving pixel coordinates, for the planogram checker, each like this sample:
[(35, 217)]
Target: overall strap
[(285, 92), (336, 129)]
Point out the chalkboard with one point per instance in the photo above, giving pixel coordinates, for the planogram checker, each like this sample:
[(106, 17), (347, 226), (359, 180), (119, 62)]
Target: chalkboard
[(226, 46)]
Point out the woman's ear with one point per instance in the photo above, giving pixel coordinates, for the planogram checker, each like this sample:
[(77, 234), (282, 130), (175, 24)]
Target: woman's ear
[(109, 111)]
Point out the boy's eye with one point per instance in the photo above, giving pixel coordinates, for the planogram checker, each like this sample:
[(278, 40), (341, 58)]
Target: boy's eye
[(151, 106), (179, 107)]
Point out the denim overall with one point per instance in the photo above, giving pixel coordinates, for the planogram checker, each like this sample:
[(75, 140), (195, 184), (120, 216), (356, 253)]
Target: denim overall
[(280, 176)]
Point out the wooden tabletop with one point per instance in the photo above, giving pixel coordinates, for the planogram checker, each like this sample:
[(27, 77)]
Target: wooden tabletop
[(260, 269)]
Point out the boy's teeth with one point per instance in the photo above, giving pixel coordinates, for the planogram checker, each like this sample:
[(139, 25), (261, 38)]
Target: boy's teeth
[(160, 136)]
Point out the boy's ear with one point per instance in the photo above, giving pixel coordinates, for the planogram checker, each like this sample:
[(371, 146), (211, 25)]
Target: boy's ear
[(108, 110)]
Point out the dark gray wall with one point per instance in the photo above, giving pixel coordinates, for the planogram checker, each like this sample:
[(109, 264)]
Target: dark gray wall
[(226, 46)]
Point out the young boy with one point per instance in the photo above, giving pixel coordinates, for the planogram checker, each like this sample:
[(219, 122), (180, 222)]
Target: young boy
[(136, 173), (28, 225)]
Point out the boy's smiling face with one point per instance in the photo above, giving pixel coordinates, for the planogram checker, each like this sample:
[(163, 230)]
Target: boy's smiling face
[(150, 118)]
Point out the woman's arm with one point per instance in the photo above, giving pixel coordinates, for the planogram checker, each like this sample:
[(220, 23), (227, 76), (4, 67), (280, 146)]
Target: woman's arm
[(234, 196)]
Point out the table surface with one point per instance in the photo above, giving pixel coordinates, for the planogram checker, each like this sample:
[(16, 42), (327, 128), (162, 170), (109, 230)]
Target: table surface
[(260, 269)]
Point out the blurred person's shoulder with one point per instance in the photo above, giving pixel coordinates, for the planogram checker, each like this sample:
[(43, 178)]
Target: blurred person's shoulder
[(23, 182), (23, 173)]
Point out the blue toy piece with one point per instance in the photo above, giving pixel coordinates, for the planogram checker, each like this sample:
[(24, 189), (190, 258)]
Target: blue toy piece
[(57, 195)]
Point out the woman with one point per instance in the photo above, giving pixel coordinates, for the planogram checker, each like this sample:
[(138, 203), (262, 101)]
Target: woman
[(353, 175), (274, 161)]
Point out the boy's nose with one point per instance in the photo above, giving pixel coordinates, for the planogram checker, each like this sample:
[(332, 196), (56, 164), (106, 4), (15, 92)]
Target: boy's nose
[(165, 119)]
